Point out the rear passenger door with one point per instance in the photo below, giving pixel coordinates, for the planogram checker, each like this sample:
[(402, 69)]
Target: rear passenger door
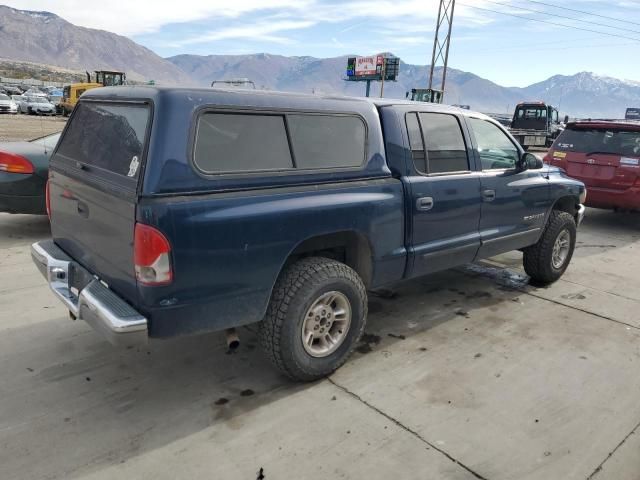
[(514, 203), (444, 193)]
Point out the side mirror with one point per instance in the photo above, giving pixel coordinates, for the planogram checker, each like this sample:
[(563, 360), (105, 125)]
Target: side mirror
[(529, 161), (566, 119)]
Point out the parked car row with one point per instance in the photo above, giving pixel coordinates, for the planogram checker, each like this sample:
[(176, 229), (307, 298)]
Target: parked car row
[(31, 89), (34, 101)]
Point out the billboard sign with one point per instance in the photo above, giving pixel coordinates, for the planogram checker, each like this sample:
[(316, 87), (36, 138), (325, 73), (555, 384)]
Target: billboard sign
[(370, 67)]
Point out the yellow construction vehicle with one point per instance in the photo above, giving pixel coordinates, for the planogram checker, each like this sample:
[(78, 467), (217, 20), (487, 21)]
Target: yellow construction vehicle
[(103, 78)]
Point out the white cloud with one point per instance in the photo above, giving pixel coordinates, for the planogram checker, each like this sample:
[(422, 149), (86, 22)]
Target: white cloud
[(262, 30), (145, 16), (135, 17)]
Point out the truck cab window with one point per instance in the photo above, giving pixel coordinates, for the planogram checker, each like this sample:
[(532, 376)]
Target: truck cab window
[(415, 143), (445, 148), (531, 113), (494, 147), (446, 151)]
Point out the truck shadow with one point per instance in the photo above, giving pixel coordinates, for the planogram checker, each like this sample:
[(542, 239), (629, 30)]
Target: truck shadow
[(89, 405)]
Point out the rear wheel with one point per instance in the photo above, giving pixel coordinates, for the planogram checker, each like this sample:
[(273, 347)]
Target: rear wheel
[(316, 316), (547, 260)]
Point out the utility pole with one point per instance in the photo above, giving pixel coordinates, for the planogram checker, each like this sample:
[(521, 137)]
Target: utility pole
[(441, 47)]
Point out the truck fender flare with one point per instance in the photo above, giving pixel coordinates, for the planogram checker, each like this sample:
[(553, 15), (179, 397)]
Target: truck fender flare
[(358, 249)]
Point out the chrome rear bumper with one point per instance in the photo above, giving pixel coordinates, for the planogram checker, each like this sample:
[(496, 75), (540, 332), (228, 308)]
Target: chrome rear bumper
[(91, 300)]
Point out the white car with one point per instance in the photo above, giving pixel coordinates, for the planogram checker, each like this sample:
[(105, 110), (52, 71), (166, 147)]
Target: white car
[(34, 92), (7, 105), (37, 106)]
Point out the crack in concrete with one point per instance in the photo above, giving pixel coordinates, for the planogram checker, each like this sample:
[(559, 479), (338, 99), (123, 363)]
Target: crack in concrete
[(599, 467), (557, 302), (525, 290), (600, 290), (406, 429)]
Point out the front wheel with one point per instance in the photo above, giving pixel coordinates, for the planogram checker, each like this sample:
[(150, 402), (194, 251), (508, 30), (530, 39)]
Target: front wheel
[(316, 316), (547, 260)]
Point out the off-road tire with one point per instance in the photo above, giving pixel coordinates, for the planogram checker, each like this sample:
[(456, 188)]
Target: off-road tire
[(537, 259), (297, 287)]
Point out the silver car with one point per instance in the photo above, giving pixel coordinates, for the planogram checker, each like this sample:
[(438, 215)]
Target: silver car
[(37, 106), (7, 105)]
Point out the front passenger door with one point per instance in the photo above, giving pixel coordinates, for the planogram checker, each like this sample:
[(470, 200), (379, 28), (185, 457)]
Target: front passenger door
[(514, 203)]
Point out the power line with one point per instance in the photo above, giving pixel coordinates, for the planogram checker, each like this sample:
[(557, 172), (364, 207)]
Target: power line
[(562, 16), (551, 23), (581, 11), (532, 48)]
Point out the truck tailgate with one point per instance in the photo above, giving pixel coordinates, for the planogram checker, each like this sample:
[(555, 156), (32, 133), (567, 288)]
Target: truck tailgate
[(96, 229), (93, 184)]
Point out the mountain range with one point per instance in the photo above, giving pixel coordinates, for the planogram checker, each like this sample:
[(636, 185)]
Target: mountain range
[(45, 38), (584, 94)]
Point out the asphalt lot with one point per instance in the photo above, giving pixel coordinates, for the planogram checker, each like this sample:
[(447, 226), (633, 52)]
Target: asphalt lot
[(466, 374)]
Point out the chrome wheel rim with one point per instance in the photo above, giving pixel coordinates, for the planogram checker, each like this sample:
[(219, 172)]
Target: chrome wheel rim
[(561, 249), (326, 324)]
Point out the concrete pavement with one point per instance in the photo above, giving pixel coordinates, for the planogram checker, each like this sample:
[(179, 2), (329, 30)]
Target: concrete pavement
[(466, 374)]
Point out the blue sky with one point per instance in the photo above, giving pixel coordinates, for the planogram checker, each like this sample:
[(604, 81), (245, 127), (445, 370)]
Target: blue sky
[(503, 47)]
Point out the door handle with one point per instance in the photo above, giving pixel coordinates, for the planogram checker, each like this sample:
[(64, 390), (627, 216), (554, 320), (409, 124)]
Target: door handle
[(488, 195), (424, 203)]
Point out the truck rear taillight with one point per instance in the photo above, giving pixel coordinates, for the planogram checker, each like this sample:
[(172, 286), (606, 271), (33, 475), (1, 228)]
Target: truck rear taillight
[(152, 256), (12, 163)]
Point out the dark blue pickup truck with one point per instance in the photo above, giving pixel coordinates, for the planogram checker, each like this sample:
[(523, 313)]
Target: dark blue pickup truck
[(181, 211)]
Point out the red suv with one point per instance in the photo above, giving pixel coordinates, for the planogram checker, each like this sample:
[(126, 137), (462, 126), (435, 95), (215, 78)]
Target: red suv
[(605, 155)]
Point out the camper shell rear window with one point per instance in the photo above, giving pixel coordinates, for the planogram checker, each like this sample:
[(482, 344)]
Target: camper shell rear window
[(107, 137)]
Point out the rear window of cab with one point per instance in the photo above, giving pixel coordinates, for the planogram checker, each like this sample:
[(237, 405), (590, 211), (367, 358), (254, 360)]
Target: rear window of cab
[(233, 143)]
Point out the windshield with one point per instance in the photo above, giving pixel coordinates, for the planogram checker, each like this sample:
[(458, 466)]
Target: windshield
[(599, 140), (38, 100), (4, 97), (531, 113), (632, 114)]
